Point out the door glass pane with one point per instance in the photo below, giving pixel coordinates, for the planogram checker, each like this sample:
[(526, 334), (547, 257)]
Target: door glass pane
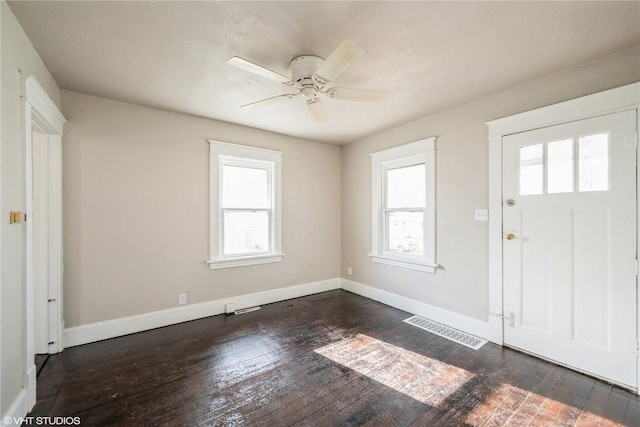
[(531, 170), (560, 166), (405, 232), (244, 187), (593, 170), (245, 232), (406, 187)]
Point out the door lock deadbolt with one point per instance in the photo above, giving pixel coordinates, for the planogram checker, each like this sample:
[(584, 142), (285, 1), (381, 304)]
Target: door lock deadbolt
[(511, 202)]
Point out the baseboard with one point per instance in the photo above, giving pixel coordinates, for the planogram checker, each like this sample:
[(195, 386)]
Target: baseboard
[(455, 320), (29, 383), (99, 331), (17, 411)]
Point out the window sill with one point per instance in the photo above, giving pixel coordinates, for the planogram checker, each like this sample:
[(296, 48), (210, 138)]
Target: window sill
[(218, 263), (403, 263)]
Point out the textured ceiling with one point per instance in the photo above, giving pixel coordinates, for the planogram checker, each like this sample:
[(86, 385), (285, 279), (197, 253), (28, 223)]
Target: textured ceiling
[(430, 55)]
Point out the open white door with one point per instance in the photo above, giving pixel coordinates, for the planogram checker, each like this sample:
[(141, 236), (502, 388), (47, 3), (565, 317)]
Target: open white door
[(569, 248), (46, 242), (42, 119)]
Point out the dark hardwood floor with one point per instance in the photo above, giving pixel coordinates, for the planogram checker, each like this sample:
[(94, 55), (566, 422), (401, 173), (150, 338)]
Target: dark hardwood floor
[(329, 359)]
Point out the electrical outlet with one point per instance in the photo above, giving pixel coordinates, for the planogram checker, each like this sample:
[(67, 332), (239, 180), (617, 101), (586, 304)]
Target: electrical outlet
[(182, 299), (349, 271), (482, 215)]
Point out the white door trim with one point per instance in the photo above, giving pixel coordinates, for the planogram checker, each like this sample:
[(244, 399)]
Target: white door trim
[(623, 98), (39, 113)]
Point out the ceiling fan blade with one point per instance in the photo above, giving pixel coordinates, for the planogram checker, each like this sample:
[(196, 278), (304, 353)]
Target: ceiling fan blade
[(272, 100), (361, 95), (243, 64), (339, 60), (316, 110)]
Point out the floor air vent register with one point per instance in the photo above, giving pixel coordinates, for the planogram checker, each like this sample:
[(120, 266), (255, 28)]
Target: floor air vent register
[(444, 331)]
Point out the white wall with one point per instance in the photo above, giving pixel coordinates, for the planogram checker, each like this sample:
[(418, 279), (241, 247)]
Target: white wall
[(17, 54), (136, 210), (461, 285)]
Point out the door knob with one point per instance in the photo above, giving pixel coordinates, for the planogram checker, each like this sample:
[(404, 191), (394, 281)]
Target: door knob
[(511, 236)]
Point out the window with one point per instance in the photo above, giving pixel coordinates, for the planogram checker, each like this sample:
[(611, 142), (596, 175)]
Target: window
[(403, 206), (555, 164), (245, 205)]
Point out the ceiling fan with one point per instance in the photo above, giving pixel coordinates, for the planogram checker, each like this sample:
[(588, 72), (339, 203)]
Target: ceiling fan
[(310, 75)]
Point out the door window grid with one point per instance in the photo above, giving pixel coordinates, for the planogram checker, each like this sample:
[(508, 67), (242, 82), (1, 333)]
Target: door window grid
[(553, 168)]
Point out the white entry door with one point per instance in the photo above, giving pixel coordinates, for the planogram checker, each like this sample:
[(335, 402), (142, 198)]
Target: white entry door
[(45, 242), (569, 228)]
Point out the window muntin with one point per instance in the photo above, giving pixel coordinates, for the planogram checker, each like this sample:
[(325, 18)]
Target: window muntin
[(566, 166), (403, 206), (245, 205)]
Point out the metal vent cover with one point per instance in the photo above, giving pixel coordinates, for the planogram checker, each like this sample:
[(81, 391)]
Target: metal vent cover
[(444, 331)]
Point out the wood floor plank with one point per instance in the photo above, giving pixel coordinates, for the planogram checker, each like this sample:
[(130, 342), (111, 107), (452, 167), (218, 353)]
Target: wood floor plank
[(333, 358)]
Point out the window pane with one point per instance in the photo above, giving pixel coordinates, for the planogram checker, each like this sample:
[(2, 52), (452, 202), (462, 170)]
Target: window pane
[(560, 167), (594, 162), (244, 187), (406, 187), (246, 232), (406, 232), (531, 170)]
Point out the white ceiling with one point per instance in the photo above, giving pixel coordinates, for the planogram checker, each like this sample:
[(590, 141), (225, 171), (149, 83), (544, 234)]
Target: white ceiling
[(430, 55)]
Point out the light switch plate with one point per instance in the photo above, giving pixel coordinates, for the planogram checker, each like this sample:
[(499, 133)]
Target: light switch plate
[(482, 214)]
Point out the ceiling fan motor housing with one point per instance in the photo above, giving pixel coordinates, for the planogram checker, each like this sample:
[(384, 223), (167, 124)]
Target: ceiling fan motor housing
[(302, 69)]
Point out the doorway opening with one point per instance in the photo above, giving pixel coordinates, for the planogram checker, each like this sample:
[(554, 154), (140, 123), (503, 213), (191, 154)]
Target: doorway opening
[(42, 129)]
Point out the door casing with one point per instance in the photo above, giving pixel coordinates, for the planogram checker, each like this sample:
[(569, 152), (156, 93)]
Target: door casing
[(619, 99), (40, 114)]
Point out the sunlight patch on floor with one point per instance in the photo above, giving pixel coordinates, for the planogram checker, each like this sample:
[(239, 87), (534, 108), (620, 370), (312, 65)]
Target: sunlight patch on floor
[(510, 405), (427, 380)]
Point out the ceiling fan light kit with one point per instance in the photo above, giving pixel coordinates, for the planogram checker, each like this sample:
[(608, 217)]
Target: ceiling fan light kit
[(310, 74)]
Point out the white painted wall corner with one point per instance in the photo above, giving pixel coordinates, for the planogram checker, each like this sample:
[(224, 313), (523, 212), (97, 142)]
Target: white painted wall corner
[(454, 320)]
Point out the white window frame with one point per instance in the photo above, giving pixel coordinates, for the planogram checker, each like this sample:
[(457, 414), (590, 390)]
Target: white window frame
[(225, 153), (417, 152)]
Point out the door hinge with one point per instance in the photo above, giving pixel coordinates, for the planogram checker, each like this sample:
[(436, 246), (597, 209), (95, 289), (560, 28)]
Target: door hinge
[(637, 268), (501, 316), (637, 349), (507, 316)]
